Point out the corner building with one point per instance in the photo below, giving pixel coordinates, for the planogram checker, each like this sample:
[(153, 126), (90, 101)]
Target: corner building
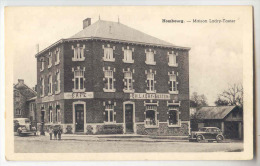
[(112, 79)]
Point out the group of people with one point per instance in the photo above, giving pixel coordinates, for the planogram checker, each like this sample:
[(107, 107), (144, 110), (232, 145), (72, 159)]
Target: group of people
[(55, 132)]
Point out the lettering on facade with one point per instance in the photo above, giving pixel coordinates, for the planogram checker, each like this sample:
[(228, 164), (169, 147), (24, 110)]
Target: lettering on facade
[(79, 95), (156, 96)]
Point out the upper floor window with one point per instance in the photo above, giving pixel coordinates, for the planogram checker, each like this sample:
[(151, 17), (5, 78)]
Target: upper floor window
[(151, 116), (79, 80), (57, 56), (42, 64), (57, 90), (150, 83), (42, 87), (50, 85), (128, 82), (108, 53), (18, 111), (172, 59), (78, 53), (173, 84), (150, 57), (109, 114), (128, 55), (173, 117), (109, 81), (50, 60)]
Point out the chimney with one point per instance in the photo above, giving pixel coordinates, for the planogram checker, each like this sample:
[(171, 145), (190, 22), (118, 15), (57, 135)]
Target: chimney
[(86, 23), (20, 81)]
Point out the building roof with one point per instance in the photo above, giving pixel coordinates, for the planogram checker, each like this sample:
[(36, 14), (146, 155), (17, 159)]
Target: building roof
[(114, 31), (24, 89), (118, 31), (217, 112)]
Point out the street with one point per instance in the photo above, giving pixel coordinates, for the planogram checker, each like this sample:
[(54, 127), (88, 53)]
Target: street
[(88, 144)]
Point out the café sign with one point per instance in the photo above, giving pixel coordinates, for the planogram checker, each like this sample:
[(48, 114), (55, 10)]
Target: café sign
[(155, 96), (79, 95)]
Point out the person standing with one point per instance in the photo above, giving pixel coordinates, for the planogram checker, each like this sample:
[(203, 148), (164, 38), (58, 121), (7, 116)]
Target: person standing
[(50, 132), (59, 133)]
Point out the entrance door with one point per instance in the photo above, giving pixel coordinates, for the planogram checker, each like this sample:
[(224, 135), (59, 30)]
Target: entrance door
[(79, 112), (129, 124)]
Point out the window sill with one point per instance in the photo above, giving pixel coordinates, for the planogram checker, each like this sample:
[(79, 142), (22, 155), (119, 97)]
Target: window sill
[(174, 92), (49, 66), (109, 90), (42, 96), (41, 70), (109, 60), (128, 91), (78, 59), (49, 94), (78, 90), (147, 91), (57, 92), (125, 61), (150, 63), (176, 125), (173, 65), (56, 63), (108, 123), (151, 126)]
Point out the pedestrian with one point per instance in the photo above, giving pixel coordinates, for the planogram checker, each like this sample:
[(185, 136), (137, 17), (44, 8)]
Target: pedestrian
[(50, 132), (55, 133), (59, 132)]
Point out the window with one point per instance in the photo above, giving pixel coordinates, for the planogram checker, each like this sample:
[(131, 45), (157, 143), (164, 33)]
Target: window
[(128, 82), (18, 111), (42, 86), (172, 59), (150, 83), (108, 53), (173, 84), (57, 56), (78, 53), (42, 64), (58, 116), (151, 116), (109, 81), (173, 117), (50, 114), (50, 60), (79, 81), (57, 90), (109, 114), (128, 55), (150, 58), (49, 85)]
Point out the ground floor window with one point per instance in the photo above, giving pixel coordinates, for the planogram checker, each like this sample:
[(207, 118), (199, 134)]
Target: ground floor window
[(50, 114), (151, 115), (173, 117), (58, 116), (109, 113), (18, 111)]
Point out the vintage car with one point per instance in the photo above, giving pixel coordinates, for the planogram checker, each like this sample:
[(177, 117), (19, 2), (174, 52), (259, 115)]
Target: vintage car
[(24, 127), (207, 134)]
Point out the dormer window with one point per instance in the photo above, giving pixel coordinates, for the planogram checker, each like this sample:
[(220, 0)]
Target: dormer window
[(50, 60), (78, 53), (150, 57), (172, 59), (128, 55), (42, 64), (108, 53), (57, 56)]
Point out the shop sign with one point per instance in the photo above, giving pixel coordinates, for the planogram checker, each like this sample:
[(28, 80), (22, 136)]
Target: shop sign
[(155, 96)]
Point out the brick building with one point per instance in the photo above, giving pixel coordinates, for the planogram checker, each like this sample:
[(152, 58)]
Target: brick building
[(24, 101), (110, 78)]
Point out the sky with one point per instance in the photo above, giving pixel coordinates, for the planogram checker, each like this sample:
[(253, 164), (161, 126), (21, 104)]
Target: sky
[(215, 58)]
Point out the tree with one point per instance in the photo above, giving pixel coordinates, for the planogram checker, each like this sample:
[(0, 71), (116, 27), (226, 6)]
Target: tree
[(197, 100), (232, 96)]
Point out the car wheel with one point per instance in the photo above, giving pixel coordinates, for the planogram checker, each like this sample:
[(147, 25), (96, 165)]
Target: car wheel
[(199, 138), (220, 138)]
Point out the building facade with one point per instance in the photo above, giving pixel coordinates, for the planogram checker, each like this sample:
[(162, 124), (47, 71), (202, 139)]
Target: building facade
[(110, 78)]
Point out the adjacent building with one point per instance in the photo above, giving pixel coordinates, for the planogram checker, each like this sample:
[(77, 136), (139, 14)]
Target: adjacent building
[(227, 118), (24, 101), (110, 78)]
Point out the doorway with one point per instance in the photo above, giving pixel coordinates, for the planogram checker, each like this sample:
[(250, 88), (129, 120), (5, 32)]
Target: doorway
[(129, 118), (79, 117)]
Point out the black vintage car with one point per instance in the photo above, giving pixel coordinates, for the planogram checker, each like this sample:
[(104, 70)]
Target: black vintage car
[(207, 134)]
